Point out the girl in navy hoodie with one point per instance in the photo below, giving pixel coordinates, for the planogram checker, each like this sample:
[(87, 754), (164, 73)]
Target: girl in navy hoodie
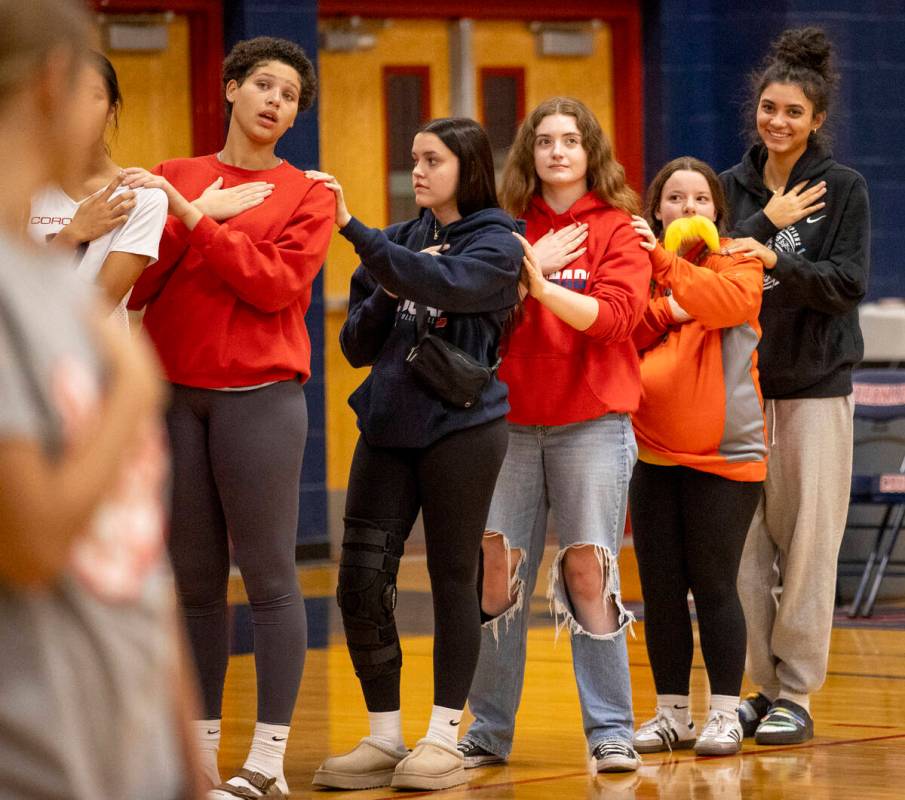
[(458, 265), (807, 218)]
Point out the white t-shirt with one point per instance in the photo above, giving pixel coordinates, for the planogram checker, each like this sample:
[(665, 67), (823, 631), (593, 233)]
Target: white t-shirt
[(140, 234)]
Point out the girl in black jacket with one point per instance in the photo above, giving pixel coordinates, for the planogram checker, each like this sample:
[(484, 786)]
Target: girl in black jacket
[(453, 271), (807, 218)]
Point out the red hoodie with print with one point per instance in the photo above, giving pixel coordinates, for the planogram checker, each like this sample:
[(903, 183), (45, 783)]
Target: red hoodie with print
[(556, 374)]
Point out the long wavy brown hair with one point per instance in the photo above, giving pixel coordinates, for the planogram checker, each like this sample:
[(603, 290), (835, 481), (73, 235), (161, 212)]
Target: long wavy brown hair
[(605, 175)]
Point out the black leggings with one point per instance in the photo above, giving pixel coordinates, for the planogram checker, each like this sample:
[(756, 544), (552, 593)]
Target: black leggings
[(451, 481), (689, 529), (237, 460)]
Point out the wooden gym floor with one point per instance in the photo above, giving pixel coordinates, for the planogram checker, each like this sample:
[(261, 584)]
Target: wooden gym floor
[(858, 752)]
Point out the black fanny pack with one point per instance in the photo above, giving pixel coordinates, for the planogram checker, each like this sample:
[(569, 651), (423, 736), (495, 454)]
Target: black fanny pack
[(451, 373)]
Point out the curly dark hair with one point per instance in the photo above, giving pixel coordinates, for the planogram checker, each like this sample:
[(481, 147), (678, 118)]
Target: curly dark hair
[(803, 57), (251, 53)]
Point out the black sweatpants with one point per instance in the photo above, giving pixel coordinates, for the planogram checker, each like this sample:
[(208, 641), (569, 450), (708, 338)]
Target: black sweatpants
[(237, 460), (451, 482), (689, 529)]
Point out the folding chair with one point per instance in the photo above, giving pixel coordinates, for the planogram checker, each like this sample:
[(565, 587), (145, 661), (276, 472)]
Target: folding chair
[(879, 400)]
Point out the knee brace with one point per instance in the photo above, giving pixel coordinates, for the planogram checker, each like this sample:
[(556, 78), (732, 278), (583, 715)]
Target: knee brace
[(366, 595)]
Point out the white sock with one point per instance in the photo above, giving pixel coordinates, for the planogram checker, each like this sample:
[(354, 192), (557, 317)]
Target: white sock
[(386, 728), (444, 725), (207, 738), (727, 703), (802, 699), (268, 748), (678, 706)]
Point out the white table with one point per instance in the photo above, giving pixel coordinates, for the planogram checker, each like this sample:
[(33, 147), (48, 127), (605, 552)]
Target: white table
[(883, 327)]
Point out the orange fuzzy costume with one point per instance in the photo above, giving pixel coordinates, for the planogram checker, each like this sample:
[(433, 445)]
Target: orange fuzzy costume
[(701, 405)]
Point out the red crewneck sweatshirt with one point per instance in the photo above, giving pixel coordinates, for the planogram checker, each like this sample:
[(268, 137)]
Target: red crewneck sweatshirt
[(225, 303), (556, 374)]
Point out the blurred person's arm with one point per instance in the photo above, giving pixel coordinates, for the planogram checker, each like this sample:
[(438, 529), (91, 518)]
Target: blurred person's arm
[(45, 503), (186, 707)]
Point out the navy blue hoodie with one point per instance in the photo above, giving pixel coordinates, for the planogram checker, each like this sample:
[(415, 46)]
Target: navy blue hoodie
[(809, 315), (469, 292)]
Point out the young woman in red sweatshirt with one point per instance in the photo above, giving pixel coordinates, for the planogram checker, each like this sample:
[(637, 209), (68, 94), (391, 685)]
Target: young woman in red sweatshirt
[(573, 379), (225, 305), (701, 463)]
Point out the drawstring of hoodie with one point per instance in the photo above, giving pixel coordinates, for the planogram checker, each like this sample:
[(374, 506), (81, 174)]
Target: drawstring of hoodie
[(773, 431)]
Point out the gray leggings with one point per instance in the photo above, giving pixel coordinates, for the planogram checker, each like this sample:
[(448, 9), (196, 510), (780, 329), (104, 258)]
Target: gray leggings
[(237, 460)]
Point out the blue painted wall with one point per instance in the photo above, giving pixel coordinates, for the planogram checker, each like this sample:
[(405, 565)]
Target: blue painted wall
[(297, 21), (698, 55)]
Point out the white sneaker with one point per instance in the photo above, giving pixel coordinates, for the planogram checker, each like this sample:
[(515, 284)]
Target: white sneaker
[(663, 732), (722, 735)]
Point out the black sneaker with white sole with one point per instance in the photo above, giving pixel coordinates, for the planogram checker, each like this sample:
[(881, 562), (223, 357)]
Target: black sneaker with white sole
[(614, 755), (751, 711), (477, 756), (785, 723)]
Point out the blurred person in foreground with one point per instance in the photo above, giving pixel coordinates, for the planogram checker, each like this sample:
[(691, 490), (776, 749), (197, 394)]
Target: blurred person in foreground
[(92, 693)]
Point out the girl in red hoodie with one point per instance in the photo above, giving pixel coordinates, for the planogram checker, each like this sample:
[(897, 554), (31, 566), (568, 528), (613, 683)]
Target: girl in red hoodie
[(225, 307), (573, 379)]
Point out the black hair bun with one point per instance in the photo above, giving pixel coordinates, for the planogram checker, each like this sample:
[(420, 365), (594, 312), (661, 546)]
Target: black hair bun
[(804, 48)]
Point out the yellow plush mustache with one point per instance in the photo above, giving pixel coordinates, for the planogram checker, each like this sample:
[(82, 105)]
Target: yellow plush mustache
[(688, 230)]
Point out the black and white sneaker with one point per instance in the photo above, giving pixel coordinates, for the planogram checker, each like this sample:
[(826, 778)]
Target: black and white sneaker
[(477, 756), (614, 755), (751, 711), (785, 723), (663, 732), (721, 736)]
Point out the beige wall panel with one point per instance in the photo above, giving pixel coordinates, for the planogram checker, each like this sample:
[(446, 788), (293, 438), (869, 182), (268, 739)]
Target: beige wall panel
[(511, 44), (156, 122), (353, 147)]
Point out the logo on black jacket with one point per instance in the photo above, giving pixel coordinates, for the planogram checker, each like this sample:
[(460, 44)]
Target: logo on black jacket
[(788, 240)]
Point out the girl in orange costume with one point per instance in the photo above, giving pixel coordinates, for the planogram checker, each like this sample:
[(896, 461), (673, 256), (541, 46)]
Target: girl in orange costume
[(702, 459)]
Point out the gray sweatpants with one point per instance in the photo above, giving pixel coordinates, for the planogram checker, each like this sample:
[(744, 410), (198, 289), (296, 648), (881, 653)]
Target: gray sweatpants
[(787, 578)]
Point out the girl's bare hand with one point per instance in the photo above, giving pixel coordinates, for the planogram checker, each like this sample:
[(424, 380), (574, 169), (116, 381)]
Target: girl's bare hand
[(555, 250), (222, 204), (786, 208), (139, 178), (342, 212), (679, 314), (751, 247), (436, 249), (99, 214), (648, 240), (532, 277)]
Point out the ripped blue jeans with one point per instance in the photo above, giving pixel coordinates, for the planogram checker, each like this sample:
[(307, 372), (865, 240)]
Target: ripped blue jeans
[(578, 474)]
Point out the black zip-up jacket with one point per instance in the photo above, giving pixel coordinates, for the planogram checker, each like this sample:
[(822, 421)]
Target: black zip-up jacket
[(809, 317), (469, 291)]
